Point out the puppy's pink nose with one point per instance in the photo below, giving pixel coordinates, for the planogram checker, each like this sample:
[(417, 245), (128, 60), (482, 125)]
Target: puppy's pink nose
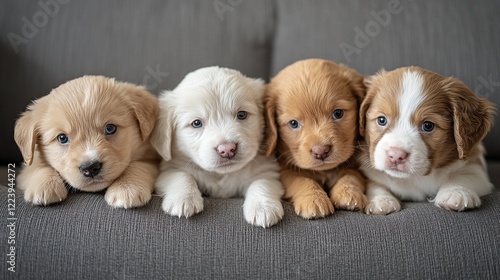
[(397, 155), (227, 150), (320, 152)]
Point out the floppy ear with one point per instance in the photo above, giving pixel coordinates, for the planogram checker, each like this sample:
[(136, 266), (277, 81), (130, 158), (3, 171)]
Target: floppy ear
[(161, 139), (472, 116), (271, 138), (365, 105), (358, 88), (370, 90), (357, 84), (26, 134), (145, 107)]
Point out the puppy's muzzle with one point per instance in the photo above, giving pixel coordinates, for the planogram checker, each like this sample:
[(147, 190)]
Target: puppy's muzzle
[(90, 169), (227, 150)]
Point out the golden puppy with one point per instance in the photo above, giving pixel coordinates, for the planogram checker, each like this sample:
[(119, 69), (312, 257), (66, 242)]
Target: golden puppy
[(91, 133), (312, 124)]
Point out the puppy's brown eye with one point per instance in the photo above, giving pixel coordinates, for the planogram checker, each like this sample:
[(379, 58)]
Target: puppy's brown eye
[(427, 126), (294, 124), (241, 115), (338, 114), (196, 124), (110, 129), (62, 138)]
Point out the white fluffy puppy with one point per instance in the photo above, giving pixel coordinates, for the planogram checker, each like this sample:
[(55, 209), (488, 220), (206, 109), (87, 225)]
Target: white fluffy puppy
[(209, 134)]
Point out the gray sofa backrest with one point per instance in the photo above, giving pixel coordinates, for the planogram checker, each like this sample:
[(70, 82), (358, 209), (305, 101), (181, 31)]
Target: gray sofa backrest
[(155, 43)]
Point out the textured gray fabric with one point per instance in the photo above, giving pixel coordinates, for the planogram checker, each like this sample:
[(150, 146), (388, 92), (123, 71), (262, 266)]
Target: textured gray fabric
[(128, 40), (453, 38), (83, 238)]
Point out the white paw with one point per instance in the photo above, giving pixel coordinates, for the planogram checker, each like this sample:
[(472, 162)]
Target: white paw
[(382, 205), (263, 213), (182, 205), (457, 199), (45, 194)]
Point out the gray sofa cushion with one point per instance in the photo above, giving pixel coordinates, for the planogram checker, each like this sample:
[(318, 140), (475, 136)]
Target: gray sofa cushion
[(83, 238)]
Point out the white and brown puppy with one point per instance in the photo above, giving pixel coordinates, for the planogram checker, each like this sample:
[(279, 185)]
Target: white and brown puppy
[(209, 134), (423, 133), (91, 133)]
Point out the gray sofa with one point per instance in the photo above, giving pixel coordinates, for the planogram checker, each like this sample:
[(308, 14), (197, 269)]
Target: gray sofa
[(45, 43)]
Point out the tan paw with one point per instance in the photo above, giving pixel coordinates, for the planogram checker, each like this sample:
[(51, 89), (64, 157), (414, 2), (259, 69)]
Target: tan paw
[(348, 198), (383, 205), (124, 195), (52, 191), (312, 206)]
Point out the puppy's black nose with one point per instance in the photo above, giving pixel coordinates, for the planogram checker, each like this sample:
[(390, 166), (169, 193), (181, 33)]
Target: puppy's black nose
[(90, 169)]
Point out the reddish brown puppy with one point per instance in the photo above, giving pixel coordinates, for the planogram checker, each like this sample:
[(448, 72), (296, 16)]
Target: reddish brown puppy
[(312, 125)]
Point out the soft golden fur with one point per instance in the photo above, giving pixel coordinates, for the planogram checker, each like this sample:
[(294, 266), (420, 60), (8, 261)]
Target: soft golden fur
[(444, 162), (64, 132), (316, 156)]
